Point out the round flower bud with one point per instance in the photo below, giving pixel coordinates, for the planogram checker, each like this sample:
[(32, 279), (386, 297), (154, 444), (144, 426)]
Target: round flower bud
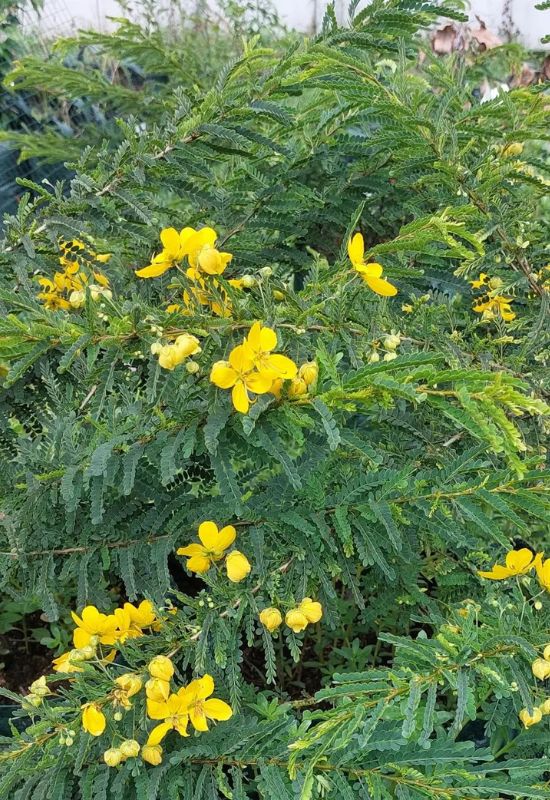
[(514, 149), (266, 272), (117, 716), (69, 741), (374, 357), (541, 668), (538, 605), (530, 719), (156, 348), (192, 367), (161, 667), (112, 757), (546, 653), (309, 372), (271, 618), (152, 754), (392, 341), (312, 610), (495, 283), (248, 281), (545, 707), (237, 566), (278, 295), (129, 683), (87, 652), (296, 620), (129, 748), (390, 356), (297, 388)]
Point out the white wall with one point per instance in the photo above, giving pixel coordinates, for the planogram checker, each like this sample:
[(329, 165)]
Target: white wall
[(64, 16)]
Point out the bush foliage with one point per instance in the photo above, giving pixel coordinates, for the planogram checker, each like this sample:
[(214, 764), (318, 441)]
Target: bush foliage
[(406, 455)]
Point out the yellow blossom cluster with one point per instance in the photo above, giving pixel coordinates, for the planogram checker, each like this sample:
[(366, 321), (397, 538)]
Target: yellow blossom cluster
[(298, 386), (520, 562), (389, 343), (94, 629), (68, 287), (172, 354), (371, 272), (298, 618), (541, 670), (492, 305), (214, 543), (252, 367)]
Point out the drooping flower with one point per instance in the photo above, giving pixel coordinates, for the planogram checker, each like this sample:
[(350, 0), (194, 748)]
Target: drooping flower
[(93, 719), (173, 711), (171, 355), (296, 620), (200, 706), (213, 545), (202, 253), (152, 754), (239, 375), (112, 757), (297, 388), (127, 685), (496, 306), (309, 372), (157, 689), (543, 574), (271, 618), (530, 719), (161, 667), (238, 566), (63, 663), (541, 668), (94, 627), (260, 343), (312, 609), (518, 562), (129, 748), (371, 272)]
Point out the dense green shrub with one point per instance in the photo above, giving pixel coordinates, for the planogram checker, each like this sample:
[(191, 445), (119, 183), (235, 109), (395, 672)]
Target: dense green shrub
[(406, 456)]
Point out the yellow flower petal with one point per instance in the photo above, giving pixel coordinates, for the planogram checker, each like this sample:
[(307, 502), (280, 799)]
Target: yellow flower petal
[(217, 709), (191, 550), (208, 534), (93, 719), (225, 538), (199, 564), (237, 566), (240, 398), (170, 239), (223, 375), (198, 718), (519, 561), (371, 270), (356, 249), (154, 270), (241, 359), (158, 733), (259, 382), (283, 367), (381, 286)]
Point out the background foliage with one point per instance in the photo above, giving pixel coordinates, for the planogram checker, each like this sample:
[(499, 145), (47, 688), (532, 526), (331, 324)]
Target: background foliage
[(379, 493)]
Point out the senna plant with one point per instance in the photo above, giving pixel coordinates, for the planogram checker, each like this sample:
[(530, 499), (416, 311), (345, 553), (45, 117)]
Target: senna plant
[(273, 419)]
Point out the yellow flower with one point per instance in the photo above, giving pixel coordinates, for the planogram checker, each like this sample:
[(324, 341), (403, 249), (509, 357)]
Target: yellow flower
[(157, 689), (296, 620), (93, 719), (546, 653), (312, 610), (173, 711), (277, 388), (238, 566), (213, 545), (518, 562), (297, 388), (129, 748), (239, 375), (171, 355), (309, 372), (259, 343), (112, 757), (152, 754), (543, 574), (494, 307), (513, 149), (94, 627), (173, 251), (545, 707), (541, 668), (128, 685), (63, 663), (481, 281), (407, 308), (161, 667), (271, 618), (40, 687), (142, 616), (202, 253), (530, 719), (201, 709), (372, 272)]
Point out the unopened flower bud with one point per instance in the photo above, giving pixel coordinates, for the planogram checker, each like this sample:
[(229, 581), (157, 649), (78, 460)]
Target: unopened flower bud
[(161, 667), (390, 356), (152, 754), (266, 272), (514, 149), (192, 367), (392, 341), (156, 348), (277, 295), (309, 372), (271, 618), (541, 668), (112, 757), (238, 566), (129, 748), (530, 719), (374, 357), (248, 281), (297, 387)]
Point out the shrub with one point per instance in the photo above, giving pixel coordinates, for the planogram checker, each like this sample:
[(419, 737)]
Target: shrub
[(279, 451)]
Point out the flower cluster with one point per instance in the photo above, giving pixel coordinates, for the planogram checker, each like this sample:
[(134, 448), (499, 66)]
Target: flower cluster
[(172, 354), (298, 618), (519, 562), (197, 246), (94, 629), (253, 367), (371, 272), (492, 305), (214, 543), (389, 343), (68, 287)]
